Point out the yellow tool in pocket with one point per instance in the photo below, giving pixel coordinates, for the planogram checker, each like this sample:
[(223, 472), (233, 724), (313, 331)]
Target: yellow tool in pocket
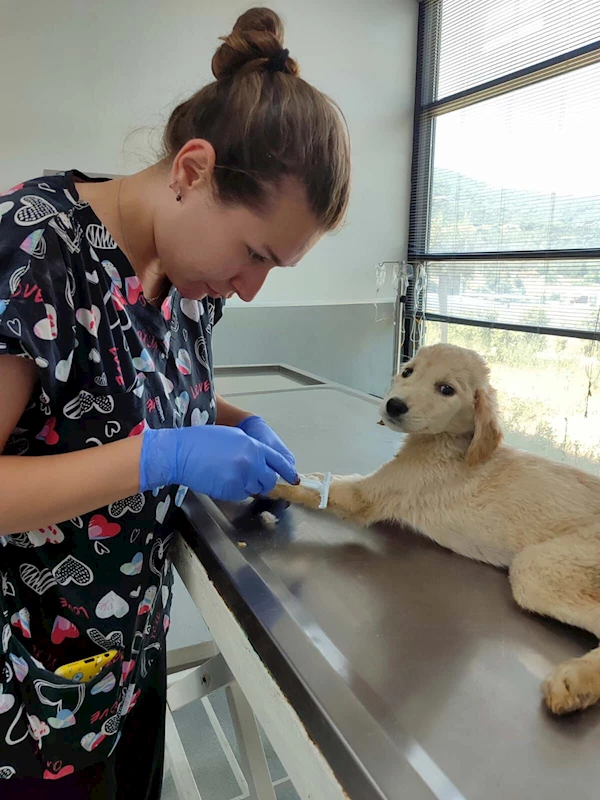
[(86, 669)]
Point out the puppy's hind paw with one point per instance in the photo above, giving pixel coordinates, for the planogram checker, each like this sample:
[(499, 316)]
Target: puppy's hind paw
[(573, 686)]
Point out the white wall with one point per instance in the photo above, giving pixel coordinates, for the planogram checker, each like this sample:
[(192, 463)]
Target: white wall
[(79, 76)]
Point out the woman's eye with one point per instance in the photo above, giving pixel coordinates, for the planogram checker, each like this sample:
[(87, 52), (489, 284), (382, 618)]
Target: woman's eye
[(407, 372), (446, 389), (256, 256)]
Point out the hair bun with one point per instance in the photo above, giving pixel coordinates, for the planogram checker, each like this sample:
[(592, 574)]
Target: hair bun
[(255, 42)]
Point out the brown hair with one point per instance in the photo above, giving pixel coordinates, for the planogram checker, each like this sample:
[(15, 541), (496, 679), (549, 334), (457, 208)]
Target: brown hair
[(266, 124)]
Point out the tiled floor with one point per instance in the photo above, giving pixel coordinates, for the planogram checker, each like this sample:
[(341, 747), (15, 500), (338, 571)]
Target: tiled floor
[(214, 776)]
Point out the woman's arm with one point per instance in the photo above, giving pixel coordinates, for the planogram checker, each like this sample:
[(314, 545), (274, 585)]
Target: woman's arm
[(228, 414), (221, 461), (38, 491)]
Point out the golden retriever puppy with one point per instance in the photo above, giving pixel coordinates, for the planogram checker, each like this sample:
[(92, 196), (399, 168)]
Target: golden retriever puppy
[(454, 481)]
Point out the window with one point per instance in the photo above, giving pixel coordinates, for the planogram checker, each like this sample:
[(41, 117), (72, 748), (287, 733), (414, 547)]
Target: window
[(505, 211)]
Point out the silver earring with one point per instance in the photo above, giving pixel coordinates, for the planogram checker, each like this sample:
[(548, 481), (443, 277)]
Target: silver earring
[(178, 195)]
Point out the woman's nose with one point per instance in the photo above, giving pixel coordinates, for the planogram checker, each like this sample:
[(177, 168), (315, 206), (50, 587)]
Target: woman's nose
[(248, 284)]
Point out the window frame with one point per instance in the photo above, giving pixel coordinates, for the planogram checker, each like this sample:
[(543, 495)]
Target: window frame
[(426, 111)]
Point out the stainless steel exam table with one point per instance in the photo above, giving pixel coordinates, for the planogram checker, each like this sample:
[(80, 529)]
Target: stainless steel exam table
[(379, 664)]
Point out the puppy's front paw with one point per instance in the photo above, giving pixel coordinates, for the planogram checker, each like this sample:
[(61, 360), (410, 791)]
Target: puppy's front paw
[(296, 494)]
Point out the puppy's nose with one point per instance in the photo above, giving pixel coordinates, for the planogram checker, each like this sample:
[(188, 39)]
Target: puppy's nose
[(396, 407)]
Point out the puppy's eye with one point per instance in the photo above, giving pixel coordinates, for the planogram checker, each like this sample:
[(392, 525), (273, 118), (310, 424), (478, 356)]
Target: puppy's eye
[(407, 372), (446, 389)]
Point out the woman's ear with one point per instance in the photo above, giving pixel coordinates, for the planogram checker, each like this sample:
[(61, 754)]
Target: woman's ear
[(488, 433), (194, 164)]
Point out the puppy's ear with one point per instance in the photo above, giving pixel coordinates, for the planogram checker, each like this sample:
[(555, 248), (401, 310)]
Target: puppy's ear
[(488, 433)]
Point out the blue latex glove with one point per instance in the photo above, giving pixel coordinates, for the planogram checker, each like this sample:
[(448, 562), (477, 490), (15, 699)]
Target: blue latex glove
[(258, 429), (216, 460)]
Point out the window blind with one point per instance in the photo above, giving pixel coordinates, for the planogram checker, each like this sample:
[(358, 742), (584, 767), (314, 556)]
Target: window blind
[(481, 40), (553, 296), (505, 207), (520, 171)]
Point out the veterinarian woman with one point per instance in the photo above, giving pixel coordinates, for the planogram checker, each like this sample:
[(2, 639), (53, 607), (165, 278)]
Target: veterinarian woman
[(109, 292)]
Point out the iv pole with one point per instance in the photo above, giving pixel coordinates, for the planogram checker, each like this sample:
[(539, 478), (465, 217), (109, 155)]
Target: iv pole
[(403, 272)]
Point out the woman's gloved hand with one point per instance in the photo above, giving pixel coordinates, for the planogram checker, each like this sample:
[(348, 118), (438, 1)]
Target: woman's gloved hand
[(258, 429), (221, 462)]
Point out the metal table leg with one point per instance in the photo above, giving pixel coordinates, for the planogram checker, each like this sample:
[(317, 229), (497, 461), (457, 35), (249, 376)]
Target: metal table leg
[(199, 682), (252, 754), (179, 764)]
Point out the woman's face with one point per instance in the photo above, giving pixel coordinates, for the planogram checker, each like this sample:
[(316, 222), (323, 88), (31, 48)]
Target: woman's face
[(207, 248)]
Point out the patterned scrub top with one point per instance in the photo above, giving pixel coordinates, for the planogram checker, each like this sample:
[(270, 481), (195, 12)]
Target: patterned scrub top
[(109, 365)]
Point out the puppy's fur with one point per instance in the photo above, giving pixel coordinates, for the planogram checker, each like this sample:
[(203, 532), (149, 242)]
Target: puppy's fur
[(454, 481)]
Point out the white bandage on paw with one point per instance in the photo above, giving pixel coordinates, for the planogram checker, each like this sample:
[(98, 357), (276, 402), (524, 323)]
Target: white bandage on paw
[(322, 487)]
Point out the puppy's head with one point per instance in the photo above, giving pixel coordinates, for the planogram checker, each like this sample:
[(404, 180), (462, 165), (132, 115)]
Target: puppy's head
[(445, 389)]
